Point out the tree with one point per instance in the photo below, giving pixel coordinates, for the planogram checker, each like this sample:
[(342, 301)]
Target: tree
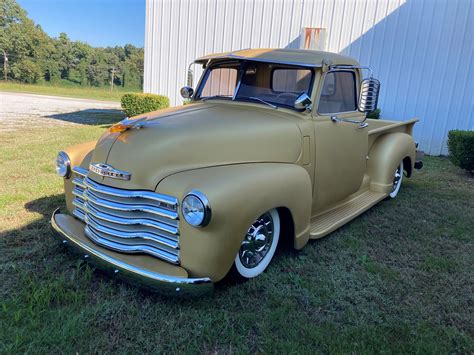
[(33, 56), (26, 71)]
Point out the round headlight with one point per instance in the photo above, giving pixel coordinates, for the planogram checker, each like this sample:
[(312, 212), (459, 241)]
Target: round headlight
[(196, 209), (63, 165)]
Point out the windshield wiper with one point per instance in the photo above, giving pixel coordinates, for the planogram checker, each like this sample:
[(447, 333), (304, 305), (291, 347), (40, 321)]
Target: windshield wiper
[(257, 99)]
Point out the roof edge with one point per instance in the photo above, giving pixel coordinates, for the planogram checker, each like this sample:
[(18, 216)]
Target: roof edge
[(297, 57)]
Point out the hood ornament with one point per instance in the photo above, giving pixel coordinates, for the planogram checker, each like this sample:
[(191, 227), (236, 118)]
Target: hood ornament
[(128, 123), (109, 171)]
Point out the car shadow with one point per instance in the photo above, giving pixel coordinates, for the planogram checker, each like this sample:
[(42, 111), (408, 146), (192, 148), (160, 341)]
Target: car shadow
[(94, 117), (44, 207), (29, 250)]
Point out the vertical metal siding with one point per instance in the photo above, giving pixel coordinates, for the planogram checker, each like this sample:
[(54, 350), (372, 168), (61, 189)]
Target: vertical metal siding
[(421, 50)]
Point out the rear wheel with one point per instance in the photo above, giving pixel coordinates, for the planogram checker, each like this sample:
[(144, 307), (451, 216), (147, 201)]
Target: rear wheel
[(397, 181), (259, 245)]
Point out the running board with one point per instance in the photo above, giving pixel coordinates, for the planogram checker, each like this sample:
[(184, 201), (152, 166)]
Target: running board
[(328, 221)]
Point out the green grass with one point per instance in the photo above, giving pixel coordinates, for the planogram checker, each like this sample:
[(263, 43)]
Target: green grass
[(398, 279), (68, 90)]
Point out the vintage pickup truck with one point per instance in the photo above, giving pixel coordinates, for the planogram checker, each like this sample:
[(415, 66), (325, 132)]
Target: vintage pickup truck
[(274, 144)]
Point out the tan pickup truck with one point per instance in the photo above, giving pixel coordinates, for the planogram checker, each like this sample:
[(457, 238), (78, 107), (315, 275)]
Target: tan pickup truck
[(273, 145)]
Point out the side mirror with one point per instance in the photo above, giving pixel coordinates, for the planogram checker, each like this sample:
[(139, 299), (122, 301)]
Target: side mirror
[(190, 78), (303, 102), (369, 95), (187, 92)]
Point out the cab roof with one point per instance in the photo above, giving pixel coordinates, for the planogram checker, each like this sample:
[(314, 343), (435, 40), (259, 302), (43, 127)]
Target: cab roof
[(301, 57)]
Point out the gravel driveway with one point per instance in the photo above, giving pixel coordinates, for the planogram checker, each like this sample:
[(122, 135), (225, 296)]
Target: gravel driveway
[(19, 110)]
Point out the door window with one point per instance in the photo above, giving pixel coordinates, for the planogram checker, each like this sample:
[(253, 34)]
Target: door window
[(339, 93)]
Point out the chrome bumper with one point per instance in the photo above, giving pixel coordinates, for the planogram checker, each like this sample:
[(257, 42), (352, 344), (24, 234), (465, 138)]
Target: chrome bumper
[(143, 275)]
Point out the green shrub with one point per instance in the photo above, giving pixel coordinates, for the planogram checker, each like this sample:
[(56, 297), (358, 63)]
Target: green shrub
[(461, 149), (375, 114), (136, 104)]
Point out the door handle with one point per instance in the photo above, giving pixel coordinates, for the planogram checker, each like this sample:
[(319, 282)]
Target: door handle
[(362, 124)]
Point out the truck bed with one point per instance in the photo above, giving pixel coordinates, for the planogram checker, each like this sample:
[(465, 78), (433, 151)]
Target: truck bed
[(380, 127)]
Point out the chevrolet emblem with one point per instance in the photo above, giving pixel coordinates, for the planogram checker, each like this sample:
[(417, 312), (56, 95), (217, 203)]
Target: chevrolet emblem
[(109, 171)]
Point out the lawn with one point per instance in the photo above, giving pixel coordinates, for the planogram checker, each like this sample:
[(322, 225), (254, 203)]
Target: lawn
[(398, 279), (69, 90)]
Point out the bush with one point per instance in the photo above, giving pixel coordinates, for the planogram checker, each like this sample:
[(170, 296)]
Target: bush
[(136, 104), (461, 149), (375, 114)]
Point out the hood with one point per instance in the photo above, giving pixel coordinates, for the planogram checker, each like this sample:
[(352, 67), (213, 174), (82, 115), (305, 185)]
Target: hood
[(197, 136)]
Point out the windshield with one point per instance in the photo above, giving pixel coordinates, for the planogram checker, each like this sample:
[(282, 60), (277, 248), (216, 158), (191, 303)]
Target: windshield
[(266, 83)]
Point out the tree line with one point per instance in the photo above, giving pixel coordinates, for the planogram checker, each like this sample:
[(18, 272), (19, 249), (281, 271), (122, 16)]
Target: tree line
[(29, 55)]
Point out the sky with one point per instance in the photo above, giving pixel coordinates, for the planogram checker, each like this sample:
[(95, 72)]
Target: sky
[(100, 23)]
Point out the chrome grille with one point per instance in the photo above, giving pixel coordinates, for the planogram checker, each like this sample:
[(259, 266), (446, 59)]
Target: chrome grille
[(127, 221)]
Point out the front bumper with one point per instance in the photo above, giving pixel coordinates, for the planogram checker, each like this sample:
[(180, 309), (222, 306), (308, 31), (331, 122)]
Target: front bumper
[(145, 270)]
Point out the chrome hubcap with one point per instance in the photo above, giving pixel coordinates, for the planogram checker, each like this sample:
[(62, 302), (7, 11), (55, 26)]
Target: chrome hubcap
[(257, 242), (396, 179)]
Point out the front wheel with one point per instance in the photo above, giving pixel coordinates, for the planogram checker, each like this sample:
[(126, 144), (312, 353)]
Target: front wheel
[(259, 245), (397, 181)]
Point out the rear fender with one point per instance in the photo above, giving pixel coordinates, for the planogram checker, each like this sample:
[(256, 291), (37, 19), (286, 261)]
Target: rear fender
[(237, 194), (386, 155)]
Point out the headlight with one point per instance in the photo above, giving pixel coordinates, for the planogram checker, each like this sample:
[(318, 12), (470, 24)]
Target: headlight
[(196, 209), (63, 165)]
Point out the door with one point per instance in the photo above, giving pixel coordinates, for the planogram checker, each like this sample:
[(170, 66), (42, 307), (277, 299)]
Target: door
[(341, 146)]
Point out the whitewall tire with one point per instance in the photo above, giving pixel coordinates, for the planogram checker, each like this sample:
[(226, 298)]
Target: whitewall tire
[(259, 245), (397, 181)]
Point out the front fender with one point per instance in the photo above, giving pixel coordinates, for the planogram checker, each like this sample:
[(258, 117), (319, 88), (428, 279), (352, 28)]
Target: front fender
[(385, 155), (238, 194), (79, 155)]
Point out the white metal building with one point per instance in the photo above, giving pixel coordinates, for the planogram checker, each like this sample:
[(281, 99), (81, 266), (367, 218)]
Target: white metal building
[(420, 50)]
